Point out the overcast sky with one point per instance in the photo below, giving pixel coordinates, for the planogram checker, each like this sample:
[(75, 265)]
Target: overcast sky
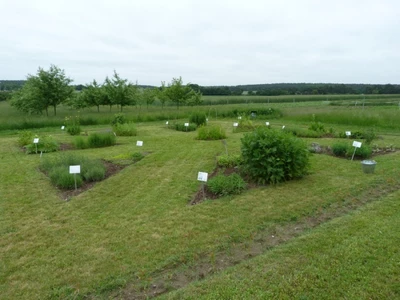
[(205, 42)]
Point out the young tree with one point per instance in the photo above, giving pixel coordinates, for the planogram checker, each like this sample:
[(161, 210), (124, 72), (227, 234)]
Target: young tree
[(119, 91), (149, 96), (46, 89), (92, 95), (177, 92), (161, 94)]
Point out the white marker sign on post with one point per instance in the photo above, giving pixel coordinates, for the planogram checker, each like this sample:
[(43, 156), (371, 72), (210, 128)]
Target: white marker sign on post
[(283, 127), (187, 124), (202, 176), (355, 145), (139, 143), (348, 133), (62, 127), (166, 123), (235, 124), (75, 170), (36, 141), (267, 123)]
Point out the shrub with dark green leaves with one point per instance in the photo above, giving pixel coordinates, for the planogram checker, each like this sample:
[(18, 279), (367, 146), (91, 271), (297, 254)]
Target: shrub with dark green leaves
[(25, 137), (223, 185), (198, 118), (126, 129), (46, 144), (74, 129), (229, 161), (340, 149), (119, 118), (214, 132), (137, 156), (273, 156), (363, 152)]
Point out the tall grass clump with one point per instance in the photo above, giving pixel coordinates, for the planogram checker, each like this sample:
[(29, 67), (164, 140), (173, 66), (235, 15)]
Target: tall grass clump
[(273, 156), (126, 129), (198, 118), (214, 132), (98, 140), (57, 169)]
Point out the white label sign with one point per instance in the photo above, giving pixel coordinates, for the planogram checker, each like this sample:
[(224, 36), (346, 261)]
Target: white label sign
[(62, 127), (36, 140), (206, 119), (74, 169), (139, 143), (267, 123), (187, 124), (283, 127), (357, 144), (235, 124), (348, 133), (166, 123), (202, 176)]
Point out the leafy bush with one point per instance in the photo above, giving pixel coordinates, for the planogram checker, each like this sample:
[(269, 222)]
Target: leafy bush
[(118, 119), (182, 127), (93, 170), (340, 149), (226, 185), (369, 136), (46, 144), (215, 132), (97, 140), (198, 118), (80, 143), (300, 132), (25, 138), (74, 129), (228, 161), (317, 126), (363, 152), (60, 177), (273, 156), (126, 129)]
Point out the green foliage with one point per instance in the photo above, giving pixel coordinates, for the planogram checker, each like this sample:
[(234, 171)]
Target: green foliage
[(369, 135), (198, 118), (97, 140), (46, 144), (72, 124), (127, 129), (182, 127), (25, 137), (80, 143), (74, 129), (363, 152), (273, 156), (317, 126), (118, 91), (58, 170), (229, 161), (340, 149), (223, 185), (119, 118), (300, 132), (244, 124), (214, 132), (137, 156)]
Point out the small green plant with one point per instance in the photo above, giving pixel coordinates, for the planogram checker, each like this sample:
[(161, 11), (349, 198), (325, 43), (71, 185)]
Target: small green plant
[(125, 129), (229, 161), (97, 140), (137, 156), (182, 127), (80, 142), (72, 124), (340, 149), (369, 136), (365, 151), (25, 137), (223, 185), (119, 119), (215, 132), (198, 118), (46, 144), (74, 129), (273, 156)]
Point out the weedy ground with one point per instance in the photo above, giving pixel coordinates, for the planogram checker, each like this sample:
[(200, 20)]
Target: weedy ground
[(331, 234)]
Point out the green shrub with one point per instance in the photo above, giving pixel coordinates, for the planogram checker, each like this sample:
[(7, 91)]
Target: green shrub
[(182, 127), (198, 118), (317, 126), (94, 172), (137, 156), (363, 152), (369, 136), (215, 132), (340, 149), (60, 177), (273, 156), (300, 132), (46, 144), (229, 161), (118, 119), (80, 143), (226, 185), (25, 138), (74, 129), (126, 129), (97, 140)]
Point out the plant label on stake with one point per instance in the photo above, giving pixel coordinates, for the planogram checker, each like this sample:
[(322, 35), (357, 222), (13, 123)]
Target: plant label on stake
[(62, 127), (36, 141), (202, 176), (348, 133), (283, 127), (186, 125), (355, 145), (267, 123), (139, 143), (235, 124), (166, 123), (75, 170)]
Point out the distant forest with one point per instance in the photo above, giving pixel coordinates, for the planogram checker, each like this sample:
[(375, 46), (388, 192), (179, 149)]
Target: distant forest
[(270, 89)]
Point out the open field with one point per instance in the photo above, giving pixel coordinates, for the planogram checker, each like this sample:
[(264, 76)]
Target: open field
[(134, 234)]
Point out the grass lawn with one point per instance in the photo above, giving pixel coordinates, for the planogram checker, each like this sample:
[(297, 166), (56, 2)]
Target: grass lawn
[(127, 230)]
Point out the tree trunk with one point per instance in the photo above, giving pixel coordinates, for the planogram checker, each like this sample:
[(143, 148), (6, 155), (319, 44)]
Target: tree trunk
[(55, 110), (98, 108)]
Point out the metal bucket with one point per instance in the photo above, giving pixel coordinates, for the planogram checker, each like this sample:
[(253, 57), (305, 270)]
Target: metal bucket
[(368, 166)]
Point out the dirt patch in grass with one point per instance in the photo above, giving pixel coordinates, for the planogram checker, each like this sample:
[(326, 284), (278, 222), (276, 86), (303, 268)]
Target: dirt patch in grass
[(181, 273), (111, 169)]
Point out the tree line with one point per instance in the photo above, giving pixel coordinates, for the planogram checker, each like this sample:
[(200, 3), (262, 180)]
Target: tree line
[(50, 88)]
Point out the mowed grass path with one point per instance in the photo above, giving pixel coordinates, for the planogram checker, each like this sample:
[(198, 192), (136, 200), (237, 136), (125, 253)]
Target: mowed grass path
[(139, 221), (352, 257)]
